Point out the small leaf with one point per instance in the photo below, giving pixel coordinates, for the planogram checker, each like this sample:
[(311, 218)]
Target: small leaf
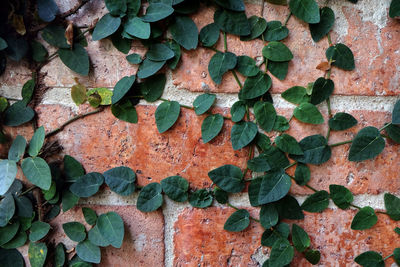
[(38, 230), (37, 172), (18, 241), (315, 148), (370, 258), (242, 134), (96, 238), (76, 59), (238, 110), (308, 113), (288, 144), (275, 31), (203, 103), (274, 186), (88, 252), (72, 168), (121, 180), (69, 200), (87, 185), (122, 87), (313, 256), (321, 91), (122, 44), (228, 177), (279, 232), (209, 35), (8, 172), (111, 228), (159, 52), (166, 115), (3, 43), (18, 114), (396, 255), (277, 51), (394, 9), (153, 87), (238, 221), (200, 199), (150, 198), (36, 142), (232, 22), (176, 188), (184, 31), (125, 111), (265, 114), (317, 202), (75, 231), (211, 127), (342, 121), (302, 174), (268, 216), (116, 7), (271, 159), (319, 30), (364, 219), (219, 64), (138, 28), (134, 58), (234, 5), (278, 69), (367, 144), (37, 253), (220, 195), (90, 215), (282, 253), (27, 91), (54, 35), (341, 196), (300, 238), (255, 86), (8, 232), (392, 205), (306, 10), (59, 255), (257, 27), (157, 11), (296, 95), (393, 131), (247, 66), (149, 67), (341, 56)]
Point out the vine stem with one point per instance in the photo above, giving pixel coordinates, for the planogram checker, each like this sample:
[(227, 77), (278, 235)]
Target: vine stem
[(290, 165), (328, 103), (287, 19), (59, 129), (310, 187), (225, 43), (341, 143), (329, 39), (384, 127), (236, 208), (237, 79), (28, 190), (355, 206), (387, 257), (183, 106)]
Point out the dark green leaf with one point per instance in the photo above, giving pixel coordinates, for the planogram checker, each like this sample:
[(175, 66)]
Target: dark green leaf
[(8, 232), (87, 185), (211, 127), (306, 10), (122, 44), (88, 252), (393, 131), (153, 87), (121, 180), (159, 52), (150, 198), (90, 215), (254, 190), (282, 253), (3, 44), (166, 115), (262, 141), (17, 47), (24, 206), (370, 259), (265, 114), (200, 199), (36, 142), (296, 95), (116, 7), (122, 87), (232, 22), (396, 255), (69, 200), (394, 9), (238, 221), (321, 91), (8, 172), (277, 51), (315, 148), (49, 194), (72, 168), (274, 186), (38, 230), (157, 11), (302, 174), (396, 113), (37, 253), (319, 30), (228, 177), (18, 241), (238, 110), (174, 46), (134, 58), (184, 31), (125, 111), (176, 188), (313, 256), (149, 67), (138, 28), (255, 86), (219, 64), (364, 219), (288, 144), (278, 69), (281, 124), (341, 196), (37, 172), (397, 230), (55, 36), (247, 66), (203, 103), (257, 27), (271, 159), (317, 202), (234, 5), (342, 56), (220, 195), (342, 121), (275, 31), (367, 144), (96, 238), (111, 228), (76, 59), (18, 114), (242, 134), (308, 113), (53, 212), (268, 216), (47, 10), (300, 238), (27, 91), (280, 232), (59, 255), (39, 52), (392, 205), (209, 35), (75, 231)]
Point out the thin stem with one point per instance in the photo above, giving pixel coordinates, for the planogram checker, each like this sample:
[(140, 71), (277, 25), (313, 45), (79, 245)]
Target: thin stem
[(290, 165), (287, 19), (312, 188), (328, 103), (341, 143), (59, 129), (328, 74), (82, 33), (329, 39), (28, 190), (249, 157), (237, 79), (225, 43), (183, 106), (290, 119), (266, 65), (384, 127), (328, 134), (387, 257), (355, 206), (236, 208)]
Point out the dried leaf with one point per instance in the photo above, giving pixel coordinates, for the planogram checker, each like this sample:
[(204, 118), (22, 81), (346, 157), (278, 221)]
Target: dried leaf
[(18, 24), (69, 33), (324, 66)]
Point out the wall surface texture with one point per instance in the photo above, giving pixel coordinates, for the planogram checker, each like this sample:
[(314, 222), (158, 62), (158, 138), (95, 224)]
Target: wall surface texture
[(179, 235)]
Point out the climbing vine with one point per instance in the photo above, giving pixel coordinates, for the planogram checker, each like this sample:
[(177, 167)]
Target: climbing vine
[(165, 27)]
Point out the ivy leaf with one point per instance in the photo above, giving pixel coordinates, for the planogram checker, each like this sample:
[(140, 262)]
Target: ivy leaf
[(37, 253), (319, 30), (121, 180), (275, 31), (76, 59), (364, 219), (55, 36), (150, 198), (255, 86), (274, 186), (3, 44), (238, 221), (122, 87), (302, 174), (8, 172), (176, 188), (90, 215), (278, 69), (257, 27), (153, 87), (296, 95), (317, 202), (125, 111), (211, 127), (342, 121), (234, 5), (18, 114), (159, 52), (27, 91), (393, 132), (341, 196), (88, 252), (134, 58), (242, 134), (306, 10), (220, 195), (238, 110), (38, 230), (277, 51), (247, 66), (219, 64), (396, 255), (18, 241), (308, 113), (289, 208), (75, 231), (37, 172), (313, 256), (315, 148), (149, 67), (300, 238), (394, 9), (96, 238), (166, 115), (106, 26), (174, 46), (268, 216), (138, 28), (254, 191), (122, 44), (282, 253), (203, 103), (200, 199), (111, 228), (279, 232), (59, 255), (397, 230), (36, 142), (342, 56), (367, 144), (69, 200), (39, 52), (228, 177), (396, 113), (8, 231), (87, 185), (288, 144), (116, 7), (392, 205), (72, 168), (157, 11), (184, 31), (321, 91), (209, 34), (370, 258), (232, 22), (271, 159), (265, 114)]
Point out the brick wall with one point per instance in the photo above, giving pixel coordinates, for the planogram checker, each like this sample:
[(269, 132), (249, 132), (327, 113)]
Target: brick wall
[(179, 235)]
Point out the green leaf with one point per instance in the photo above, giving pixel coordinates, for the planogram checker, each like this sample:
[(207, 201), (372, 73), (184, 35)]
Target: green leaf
[(49, 194), (232, 22), (27, 91), (321, 91), (247, 66), (342, 121), (220, 195), (209, 35), (308, 113), (69, 200), (396, 113), (8, 232), (234, 5), (157, 11), (153, 87), (18, 241), (394, 9), (317, 202), (262, 142), (18, 114), (219, 64), (277, 51), (393, 131), (288, 144), (38, 231), (392, 205), (176, 188), (75, 231), (300, 238), (282, 253), (211, 127), (166, 115), (265, 114), (367, 144), (24, 206), (238, 221), (302, 174), (159, 52), (364, 219), (396, 255), (59, 255), (106, 26), (76, 59), (242, 134), (72, 168), (125, 111), (313, 256), (296, 95), (238, 110), (122, 87), (306, 10), (37, 253), (341, 196), (150, 198), (90, 215), (268, 216), (257, 27), (134, 58), (271, 159), (254, 191), (87, 185), (274, 186), (370, 259), (88, 252), (17, 48), (184, 31), (256, 86), (8, 172), (36, 142), (122, 44), (200, 199), (3, 44), (203, 103), (174, 46), (116, 7), (228, 177), (279, 232), (138, 28), (55, 36), (278, 69), (342, 56), (121, 180), (111, 228), (315, 148), (37, 172), (319, 30), (149, 67), (96, 238), (275, 31)]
